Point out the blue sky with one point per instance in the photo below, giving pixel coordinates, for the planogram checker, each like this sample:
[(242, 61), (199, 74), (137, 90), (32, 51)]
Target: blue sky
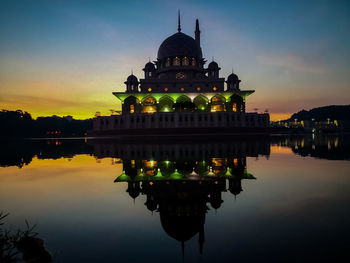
[(67, 57)]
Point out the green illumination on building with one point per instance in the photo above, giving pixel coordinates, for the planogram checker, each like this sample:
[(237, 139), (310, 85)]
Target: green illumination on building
[(142, 96), (176, 175)]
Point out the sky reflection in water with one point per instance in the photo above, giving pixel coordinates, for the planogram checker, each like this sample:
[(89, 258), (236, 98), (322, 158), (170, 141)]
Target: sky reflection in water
[(295, 209)]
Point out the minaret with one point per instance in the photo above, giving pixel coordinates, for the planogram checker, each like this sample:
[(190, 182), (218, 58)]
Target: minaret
[(197, 34)]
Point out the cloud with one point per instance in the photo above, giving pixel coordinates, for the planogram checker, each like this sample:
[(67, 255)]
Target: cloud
[(292, 63)]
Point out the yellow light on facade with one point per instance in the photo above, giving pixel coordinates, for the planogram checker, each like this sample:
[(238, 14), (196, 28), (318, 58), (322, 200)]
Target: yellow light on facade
[(234, 107), (149, 109), (149, 89), (215, 108), (214, 88)]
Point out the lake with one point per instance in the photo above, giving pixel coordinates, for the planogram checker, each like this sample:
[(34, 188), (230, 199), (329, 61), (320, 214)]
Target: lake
[(275, 199)]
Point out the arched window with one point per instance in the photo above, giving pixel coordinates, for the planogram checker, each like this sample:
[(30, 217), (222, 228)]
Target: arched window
[(167, 63), (149, 105), (185, 61), (183, 103), (130, 105), (193, 61), (217, 103), (176, 61), (166, 104), (237, 103), (201, 102), (150, 167), (219, 166)]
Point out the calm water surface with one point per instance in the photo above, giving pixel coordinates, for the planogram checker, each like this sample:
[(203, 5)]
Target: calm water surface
[(276, 199)]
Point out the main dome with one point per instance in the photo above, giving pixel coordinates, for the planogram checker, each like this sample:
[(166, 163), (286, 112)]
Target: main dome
[(179, 45)]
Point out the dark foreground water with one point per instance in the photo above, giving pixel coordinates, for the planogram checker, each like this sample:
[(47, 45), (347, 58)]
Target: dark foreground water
[(243, 200)]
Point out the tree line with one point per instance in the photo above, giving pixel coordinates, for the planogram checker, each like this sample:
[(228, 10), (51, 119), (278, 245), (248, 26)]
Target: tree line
[(21, 124)]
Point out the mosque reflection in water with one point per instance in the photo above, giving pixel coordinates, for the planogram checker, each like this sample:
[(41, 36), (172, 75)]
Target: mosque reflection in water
[(182, 182), (181, 191)]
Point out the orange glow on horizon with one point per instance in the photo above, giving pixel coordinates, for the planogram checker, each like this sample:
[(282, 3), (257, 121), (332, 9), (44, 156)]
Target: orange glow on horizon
[(280, 149), (280, 116)]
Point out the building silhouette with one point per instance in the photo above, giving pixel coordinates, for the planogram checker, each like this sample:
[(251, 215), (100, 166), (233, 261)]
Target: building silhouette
[(179, 93)]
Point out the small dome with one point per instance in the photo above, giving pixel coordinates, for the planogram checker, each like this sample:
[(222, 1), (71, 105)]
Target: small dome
[(213, 65), (179, 45), (149, 66), (232, 78), (132, 78)]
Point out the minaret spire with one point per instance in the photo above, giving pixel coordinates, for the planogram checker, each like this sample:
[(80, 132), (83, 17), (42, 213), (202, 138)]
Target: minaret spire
[(178, 21), (197, 34)]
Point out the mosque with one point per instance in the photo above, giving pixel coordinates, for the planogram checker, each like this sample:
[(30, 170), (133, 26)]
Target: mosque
[(180, 94)]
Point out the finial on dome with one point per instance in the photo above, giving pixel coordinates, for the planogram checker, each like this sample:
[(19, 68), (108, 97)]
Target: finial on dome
[(132, 72), (178, 21)]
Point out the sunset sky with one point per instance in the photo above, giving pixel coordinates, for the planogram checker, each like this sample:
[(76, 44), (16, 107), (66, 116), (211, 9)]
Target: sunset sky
[(67, 57)]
